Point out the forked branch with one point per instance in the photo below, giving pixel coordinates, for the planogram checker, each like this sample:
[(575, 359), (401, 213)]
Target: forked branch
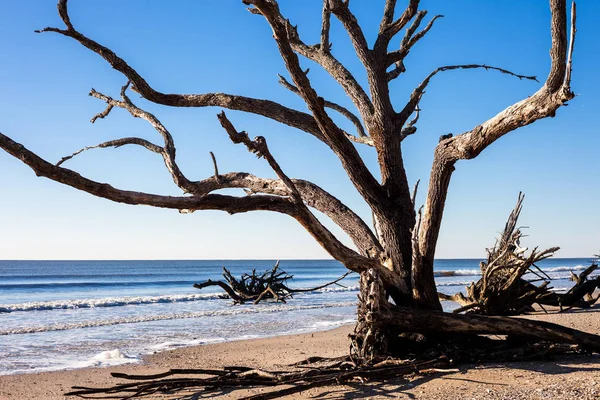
[(419, 91), (266, 108), (360, 130), (285, 36)]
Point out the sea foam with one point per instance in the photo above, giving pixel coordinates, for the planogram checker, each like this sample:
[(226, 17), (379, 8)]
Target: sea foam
[(172, 316), (106, 302)]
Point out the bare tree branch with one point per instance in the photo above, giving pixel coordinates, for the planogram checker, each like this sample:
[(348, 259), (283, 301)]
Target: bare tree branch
[(341, 10), (168, 151), (116, 143), (388, 14), (215, 166), (266, 108), (324, 58), (325, 27), (419, 91), (388, 30), (284, 33), (397, 57), (102, 114), (567, 82), (313, 195), (259, 147), (230, 204), (334, 106), (544, 103), (414, 193)]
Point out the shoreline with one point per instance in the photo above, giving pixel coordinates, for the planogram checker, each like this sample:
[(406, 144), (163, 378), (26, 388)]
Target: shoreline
[(564, 378)]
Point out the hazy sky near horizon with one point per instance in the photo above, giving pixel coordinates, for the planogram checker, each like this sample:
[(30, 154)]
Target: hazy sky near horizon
[(202, 46)]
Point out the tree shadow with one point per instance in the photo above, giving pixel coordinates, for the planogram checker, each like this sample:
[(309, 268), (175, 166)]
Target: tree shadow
[(556, 366)]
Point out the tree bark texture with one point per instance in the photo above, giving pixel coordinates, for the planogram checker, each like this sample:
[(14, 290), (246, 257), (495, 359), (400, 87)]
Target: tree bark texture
[(396, 258)]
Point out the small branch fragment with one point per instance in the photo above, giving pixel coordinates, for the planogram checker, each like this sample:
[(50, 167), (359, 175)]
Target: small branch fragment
[(215, 166), (326, 24), (413, 197), (103, 114), (567, 82), (117, 143)]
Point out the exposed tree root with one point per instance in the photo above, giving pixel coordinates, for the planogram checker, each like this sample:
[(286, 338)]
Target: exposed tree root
[(315, 372), (272, 284), (507, 279)]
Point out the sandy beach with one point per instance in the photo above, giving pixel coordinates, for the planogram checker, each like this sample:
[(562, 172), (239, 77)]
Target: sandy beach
[(563, 378)]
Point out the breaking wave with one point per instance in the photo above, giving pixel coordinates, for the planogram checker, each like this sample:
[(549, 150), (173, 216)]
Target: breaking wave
[(562, 269), (106, 302), (171, 316)]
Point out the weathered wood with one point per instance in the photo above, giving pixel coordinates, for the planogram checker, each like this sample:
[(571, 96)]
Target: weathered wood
[(426, 321), (271, 284), (503, 290), (399, 252)]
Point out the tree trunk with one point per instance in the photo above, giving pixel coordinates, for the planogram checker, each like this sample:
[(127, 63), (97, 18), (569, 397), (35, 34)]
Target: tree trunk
[(370, 338)]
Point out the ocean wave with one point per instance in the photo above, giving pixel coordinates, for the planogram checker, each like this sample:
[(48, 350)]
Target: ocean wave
[(172, 316), (100, 284), (107, 302), (338, 289), (135, 300), (563, 269)]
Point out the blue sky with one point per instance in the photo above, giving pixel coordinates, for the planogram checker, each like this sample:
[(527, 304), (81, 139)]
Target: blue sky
[(201, 46)]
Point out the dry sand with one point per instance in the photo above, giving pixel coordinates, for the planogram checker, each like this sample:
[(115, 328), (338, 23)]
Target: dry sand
[(564, 378)]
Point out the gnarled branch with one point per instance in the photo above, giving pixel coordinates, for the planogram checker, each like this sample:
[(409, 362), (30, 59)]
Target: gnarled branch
[(544, 103), (313, 195), (266, 108), (388, 29), (419, 91), (397, 57), (285, 34), (317, 54), (334, 106), (230, 204)]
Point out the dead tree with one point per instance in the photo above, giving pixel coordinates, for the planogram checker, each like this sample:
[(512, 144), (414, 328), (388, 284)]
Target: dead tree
[(271, 284), (395, 259), (503, 288)]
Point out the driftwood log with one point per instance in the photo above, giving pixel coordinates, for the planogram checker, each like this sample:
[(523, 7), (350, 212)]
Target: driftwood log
[(271, 284), (507, 285)]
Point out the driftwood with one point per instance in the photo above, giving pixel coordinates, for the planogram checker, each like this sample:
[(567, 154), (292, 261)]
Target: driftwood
[(241, 377), (272, 284), (503, 288)]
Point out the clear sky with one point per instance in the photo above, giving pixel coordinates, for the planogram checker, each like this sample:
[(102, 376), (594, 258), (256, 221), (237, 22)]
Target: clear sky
[(217, 46)]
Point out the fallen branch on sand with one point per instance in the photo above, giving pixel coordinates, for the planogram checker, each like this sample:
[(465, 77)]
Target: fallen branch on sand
[(318, 371), (272, 284), (503, 288)]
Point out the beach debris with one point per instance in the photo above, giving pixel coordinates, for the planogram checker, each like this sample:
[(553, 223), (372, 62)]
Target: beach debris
[(235, 377), (318, 371), (509, 276), (253, 287)]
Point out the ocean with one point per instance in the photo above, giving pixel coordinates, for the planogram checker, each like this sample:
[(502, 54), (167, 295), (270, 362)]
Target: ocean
[(71, 314)]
